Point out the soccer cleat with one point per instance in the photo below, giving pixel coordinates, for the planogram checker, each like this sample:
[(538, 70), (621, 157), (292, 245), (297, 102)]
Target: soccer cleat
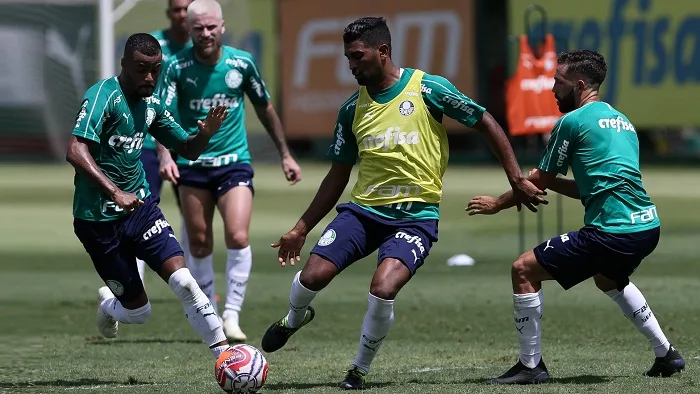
[(105, 323), (520, 374), (279, 332), (354, 379), (667, 365), (233, 331)]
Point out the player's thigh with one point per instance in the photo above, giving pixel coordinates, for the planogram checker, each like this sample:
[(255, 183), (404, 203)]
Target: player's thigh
[(409, 243), (198, 208), (346, 239), (622, 254), (113, 260), (569, 258), (236, 207)]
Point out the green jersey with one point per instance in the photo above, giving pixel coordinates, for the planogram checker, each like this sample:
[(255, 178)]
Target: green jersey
[(118, 126), (399, 138), (191, 88), (601, 146), (169, 48)]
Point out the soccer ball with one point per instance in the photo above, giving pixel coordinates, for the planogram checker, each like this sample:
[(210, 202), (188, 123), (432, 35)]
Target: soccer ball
[(241, 369)]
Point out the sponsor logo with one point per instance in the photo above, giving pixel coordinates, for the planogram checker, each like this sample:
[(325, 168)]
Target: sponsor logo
[(390, 138), (563, 153), (129, 144), (644, 216), (393, 190), (218, 99), (618, 123), (411, 239), (157, 228)]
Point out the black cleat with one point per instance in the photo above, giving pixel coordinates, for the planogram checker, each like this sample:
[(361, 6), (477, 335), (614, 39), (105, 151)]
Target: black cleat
[(354, 379), (520, 374), (667, 365), (278, 333)]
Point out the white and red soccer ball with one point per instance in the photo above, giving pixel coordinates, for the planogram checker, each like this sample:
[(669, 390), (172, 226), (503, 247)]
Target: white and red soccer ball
[(241, 369)]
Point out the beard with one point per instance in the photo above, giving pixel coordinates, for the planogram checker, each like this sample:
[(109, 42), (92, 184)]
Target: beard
[(567, 103)]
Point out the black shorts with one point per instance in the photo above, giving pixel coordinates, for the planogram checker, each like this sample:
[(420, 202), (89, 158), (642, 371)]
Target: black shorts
[(218, 180), (573, 257)]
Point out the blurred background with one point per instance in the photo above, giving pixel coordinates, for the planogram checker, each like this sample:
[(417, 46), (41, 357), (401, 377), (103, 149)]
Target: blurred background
[(52, 51)]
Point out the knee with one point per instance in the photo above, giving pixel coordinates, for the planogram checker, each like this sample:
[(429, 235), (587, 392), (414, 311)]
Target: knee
[(200, 244), (317, 273), (237, 239), (383, 290), (604, 284), (140, 315), (519, 270)]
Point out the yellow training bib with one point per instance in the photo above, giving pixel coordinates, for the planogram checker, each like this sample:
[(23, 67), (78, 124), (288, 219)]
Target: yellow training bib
[(403, 150)]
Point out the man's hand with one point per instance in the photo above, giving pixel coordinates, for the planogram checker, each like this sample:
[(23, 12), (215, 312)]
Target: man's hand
[(289, 247), (291, 169), (483, 205), (213, 122), (168, 170), (527, 193), (127, 201)]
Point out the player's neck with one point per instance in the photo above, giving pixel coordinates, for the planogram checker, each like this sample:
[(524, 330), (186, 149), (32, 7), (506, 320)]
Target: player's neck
[(129, 94), (212, 60), (179, 36), (388, 79), (589, 97)]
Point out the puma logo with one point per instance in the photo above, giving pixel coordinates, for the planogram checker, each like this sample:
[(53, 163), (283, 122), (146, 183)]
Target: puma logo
[(192, 81), (548, 246)]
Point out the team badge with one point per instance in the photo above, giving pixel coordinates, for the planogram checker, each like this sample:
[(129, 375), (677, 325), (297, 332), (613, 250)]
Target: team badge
[(233, 79), (327, 238), (406, 108), (150, 115), (116, 287)]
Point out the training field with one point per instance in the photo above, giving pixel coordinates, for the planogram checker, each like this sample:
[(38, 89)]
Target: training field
[(453, 327)]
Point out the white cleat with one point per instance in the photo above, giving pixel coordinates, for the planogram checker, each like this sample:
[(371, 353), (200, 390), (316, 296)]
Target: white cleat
[(105, 323), (233, 331)]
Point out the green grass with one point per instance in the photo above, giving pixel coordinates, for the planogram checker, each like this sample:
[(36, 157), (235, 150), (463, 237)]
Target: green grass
[(453, 326)]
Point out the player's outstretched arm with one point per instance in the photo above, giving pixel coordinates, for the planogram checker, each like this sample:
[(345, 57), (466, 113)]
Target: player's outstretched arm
[(195, 144), (563, 186), (486, 205), (79, 156), (326, 197)]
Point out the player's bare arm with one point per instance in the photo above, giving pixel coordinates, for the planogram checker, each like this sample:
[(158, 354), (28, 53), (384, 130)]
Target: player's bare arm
[(195, 144), (523, 190), (78, 155), (168, 169), (486, 205), (563, 186), (271, 121), (326, 198)]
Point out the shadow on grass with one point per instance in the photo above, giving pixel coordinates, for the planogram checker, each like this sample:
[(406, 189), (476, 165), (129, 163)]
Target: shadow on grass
[(72, 383)]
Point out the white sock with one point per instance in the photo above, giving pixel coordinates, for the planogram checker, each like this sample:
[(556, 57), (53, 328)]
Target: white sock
[(141, 266), (528, 315), (299, 298), (238, 265), (198, 308), (116, 310), (633, 305), (219, 349), (378, 319), (202, 269)]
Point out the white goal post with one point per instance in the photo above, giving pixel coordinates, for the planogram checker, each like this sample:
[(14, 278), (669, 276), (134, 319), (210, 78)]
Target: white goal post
[(109, 16)]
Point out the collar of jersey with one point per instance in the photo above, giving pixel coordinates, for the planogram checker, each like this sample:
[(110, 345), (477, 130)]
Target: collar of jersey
[(389, 93)]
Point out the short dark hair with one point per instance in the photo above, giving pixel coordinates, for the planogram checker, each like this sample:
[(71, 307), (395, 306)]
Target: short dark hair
[(142, 42), (585, 64), (371, 30)]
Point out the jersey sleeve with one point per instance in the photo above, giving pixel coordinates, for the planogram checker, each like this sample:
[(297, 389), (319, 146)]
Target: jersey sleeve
[(164, 127), (443, 98), (254, 84), (93, 109), (344, 146), (167, 84), (557, 155)]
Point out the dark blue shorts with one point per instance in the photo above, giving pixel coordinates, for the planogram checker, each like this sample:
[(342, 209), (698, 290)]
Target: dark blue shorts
[(573, 257), (356, 233), (114, 246), (218, 180), (151, 165)]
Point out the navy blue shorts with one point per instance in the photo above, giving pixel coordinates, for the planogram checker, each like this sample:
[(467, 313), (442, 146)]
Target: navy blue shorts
[(151, 165), (218, 180), (114, 246), (356, 233), (573, 257)]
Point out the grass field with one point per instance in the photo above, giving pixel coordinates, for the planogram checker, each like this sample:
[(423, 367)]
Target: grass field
[(453, 326)]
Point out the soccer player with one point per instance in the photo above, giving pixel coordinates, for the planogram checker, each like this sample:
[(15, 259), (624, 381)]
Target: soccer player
[(116, 217), (393, 125), (621, 223), (196, 79), (171, 40)]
